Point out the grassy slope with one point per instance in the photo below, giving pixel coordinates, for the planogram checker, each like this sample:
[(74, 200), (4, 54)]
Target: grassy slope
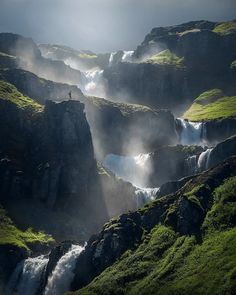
[(9, 92), (212, 104), (166, 57), (11, 235), (225, 28), (167, 263)]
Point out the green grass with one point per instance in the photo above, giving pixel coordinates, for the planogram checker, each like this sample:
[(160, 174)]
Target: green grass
[(166, 263), (11, 235), (210, 105), (9, 92), (166, 57), (233, 64), (225, 28), (87, 56)]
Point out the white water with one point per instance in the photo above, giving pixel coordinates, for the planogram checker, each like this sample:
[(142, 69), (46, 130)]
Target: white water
[(25, 280), (191, 132), (145, 195), (132, 169), (111, 58), (203, 160), (62, 276), (191, 164), (127, 56), (93, 84)]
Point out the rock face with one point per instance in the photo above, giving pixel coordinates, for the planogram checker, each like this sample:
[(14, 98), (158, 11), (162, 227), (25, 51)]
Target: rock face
[(222, 151), (179, 210), (30, 59), (170, 163), (207, 57), (128, 129), (48, 164)]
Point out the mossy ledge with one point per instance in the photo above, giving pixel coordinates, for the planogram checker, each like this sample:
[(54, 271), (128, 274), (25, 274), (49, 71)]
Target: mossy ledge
[(184, 242), (210, 105)]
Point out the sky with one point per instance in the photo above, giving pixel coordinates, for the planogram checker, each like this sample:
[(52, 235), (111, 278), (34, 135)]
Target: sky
[(104, 25)]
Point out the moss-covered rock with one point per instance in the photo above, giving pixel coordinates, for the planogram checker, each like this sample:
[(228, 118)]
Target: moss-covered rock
[(211, 105)]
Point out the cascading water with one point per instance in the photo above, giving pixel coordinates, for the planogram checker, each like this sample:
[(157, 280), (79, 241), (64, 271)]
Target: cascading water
[(203, 160), (127, 56), (145, 195), (93, 83), (191, 132), (111, 59), (62, 276), (26, 278), (191, 165), (135, 170)]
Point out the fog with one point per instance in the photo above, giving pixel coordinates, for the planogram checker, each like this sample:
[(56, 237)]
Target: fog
[(104, 25)]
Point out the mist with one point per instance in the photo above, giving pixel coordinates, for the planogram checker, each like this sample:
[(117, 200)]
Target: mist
[(105, 25)]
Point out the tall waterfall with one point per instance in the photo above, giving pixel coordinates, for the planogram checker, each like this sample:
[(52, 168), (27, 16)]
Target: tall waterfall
[(127, 56), (26, 278), (191, 132), (135, 170), (132, 169), (62, 276), (93, 83), (203, 160)]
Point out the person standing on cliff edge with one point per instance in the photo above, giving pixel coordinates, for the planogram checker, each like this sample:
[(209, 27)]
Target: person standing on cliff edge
[(70, 95)]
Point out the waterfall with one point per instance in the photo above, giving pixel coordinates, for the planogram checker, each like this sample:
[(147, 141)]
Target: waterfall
[(62, 276), (132, 169), (127, 56), (111, 59), (26, 278), (191, 165), (93, 83), (145, 195), (203, 160), (191, 132)]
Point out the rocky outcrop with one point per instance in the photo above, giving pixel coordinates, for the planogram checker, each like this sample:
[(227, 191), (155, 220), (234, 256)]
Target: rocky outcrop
[(179, 210), (121, 128), (30, 59), (171, 163), (48, 163), (207, 57), (222, 151)]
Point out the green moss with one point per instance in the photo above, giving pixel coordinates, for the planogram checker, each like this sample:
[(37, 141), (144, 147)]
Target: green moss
[(9, 92), (87, 56), (210, 105), (225, 28), (11, 235), (233, 64), (166, 263), (223, 212), (166, 57)]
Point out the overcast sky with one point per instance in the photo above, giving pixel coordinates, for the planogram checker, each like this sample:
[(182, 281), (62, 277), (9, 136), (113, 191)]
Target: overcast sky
[(104, 25)]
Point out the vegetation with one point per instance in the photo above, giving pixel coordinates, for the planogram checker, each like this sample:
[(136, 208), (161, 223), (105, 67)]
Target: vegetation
[(9, 92), (233, 64), (88, 56), (166, 57), (168, 263), (11, 235), (212, 104), (189, 31), (225, 28)]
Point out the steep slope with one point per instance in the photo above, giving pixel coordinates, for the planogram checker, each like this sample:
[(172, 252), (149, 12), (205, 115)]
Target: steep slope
[(175, 245), (174, 65), (30, 58), (47, 166)]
